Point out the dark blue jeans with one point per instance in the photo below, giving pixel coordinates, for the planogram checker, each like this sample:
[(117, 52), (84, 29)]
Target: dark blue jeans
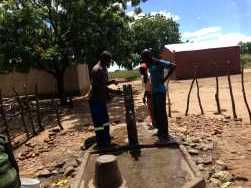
[(100, 120), (159, 113)]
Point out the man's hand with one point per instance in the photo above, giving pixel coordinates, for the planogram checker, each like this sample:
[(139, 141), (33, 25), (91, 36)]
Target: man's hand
[(144, 100), (112, 82), (115, 82)]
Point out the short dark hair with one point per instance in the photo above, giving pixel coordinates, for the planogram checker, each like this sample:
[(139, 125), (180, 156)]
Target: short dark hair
[(105, 55), (146, 53)]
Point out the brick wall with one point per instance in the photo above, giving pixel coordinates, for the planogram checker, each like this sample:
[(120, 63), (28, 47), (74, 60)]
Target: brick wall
[(204, 61)]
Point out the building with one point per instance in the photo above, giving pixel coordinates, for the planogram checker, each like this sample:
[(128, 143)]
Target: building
[(76, 81), (208, 59)]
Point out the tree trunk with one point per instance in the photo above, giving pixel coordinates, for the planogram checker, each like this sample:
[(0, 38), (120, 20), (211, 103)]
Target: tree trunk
[(188, 96), (244, 93), (60, 87), (231, 90)]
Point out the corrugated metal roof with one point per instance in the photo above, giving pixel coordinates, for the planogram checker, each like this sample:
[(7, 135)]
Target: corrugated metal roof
[(196, 46)]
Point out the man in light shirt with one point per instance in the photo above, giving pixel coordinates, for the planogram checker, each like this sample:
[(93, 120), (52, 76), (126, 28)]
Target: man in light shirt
[(158, 89)]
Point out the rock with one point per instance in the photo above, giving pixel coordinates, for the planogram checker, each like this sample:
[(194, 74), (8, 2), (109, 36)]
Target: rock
[(206, 147), (192, 145), (220, 165), (195, 140), (68, 171), (78, 161), (31, 145), (240, 178), (59, 164), (226, 185), (55, 172), (217, 131), (62, 133), (227, 117), (44, 173), (238, 119), (205, 161), (52, 134), (55, 130), (47, 140), (215, 182), (223, 176), (193, 151), (72, 162), (201, 167)]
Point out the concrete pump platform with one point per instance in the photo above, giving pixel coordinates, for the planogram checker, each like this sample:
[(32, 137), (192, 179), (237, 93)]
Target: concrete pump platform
[(158, 165)]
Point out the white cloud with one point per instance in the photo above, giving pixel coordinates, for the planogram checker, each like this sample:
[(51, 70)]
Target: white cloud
[(202, 32), (162, 12), (215, 34), (234, 38), (136, 16), (166, 14), (129, 4)]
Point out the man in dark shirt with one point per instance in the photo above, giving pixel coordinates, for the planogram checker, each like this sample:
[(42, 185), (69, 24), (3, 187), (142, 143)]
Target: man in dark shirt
[(156, 69), (98, 99)]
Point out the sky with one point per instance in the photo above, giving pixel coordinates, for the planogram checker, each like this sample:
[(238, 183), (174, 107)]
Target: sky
[(206, 20), (221, 21)]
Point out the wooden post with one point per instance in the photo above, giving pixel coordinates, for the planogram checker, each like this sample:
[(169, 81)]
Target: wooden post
[(2, 112), (130, 117), (231, 89), (22, 112), (169, 101), (198, 94), (244, 93), (29, 110), (216, 96), (188, 97), (39, 121)]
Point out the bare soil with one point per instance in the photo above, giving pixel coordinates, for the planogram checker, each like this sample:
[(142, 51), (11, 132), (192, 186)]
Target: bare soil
[(217, 142)]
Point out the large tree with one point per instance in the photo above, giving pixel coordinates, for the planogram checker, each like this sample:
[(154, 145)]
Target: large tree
[(53, 34), (245, 47), (154, 32)]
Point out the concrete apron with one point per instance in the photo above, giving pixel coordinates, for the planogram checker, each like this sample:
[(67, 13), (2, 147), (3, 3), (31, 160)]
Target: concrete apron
[(160, 165)]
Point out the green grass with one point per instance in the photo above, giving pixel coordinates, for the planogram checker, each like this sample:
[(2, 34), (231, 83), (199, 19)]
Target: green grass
[(128, 75), (246, 59)]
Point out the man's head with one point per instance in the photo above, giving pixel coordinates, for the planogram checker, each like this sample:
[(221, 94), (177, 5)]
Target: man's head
[(146, 56), (106, 58)]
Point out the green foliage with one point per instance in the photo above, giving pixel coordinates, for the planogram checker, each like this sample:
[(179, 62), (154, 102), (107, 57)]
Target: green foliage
[(246, 60), (245, 47), (53, 34), (125, 74), (154, 32)]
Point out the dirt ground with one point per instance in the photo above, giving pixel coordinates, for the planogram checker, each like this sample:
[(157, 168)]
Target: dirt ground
[(179, 91), (217, 137)]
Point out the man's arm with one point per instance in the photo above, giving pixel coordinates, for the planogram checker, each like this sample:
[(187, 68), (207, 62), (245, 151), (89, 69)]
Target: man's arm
[(111, 82), (171, 69)]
